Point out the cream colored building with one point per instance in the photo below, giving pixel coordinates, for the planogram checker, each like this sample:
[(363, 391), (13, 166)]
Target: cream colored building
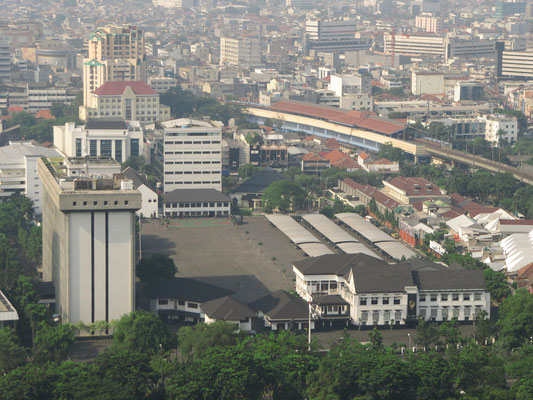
[(115, 54), (125, 100), (244, 51)]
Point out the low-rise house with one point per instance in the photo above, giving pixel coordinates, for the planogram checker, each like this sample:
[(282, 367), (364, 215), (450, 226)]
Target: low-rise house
[(149, 197), (230, 310), (410, 190), (248, 194), (378, 293), (196, 203), (367, 193), (283, 311), (314, 163)]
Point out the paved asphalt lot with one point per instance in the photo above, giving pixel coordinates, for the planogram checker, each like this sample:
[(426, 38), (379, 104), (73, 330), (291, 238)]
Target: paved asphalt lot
[(251, 259)]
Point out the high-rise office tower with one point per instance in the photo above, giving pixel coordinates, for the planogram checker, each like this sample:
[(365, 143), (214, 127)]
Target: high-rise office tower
[(5, 59), (115, 54), (89, 237)]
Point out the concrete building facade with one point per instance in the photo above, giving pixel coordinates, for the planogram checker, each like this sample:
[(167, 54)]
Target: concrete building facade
[(243, 51), (88, 244), (5, 59)]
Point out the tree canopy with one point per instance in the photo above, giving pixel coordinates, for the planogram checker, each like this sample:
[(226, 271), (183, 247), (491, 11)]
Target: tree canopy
[(284, 196), (156, 267)]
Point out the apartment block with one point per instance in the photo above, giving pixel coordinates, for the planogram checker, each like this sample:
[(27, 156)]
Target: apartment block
[(244, 51), (189, 154), (114, 54), (5, 59), (89, 240)]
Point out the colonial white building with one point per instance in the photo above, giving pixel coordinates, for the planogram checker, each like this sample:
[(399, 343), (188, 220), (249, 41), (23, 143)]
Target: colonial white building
[(116, 139), (190, 154), (365, 291), (196, 203), (500, 127), (18, 170)]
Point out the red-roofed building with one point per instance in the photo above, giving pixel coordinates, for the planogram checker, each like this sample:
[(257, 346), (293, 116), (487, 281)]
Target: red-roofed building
[(410, 190), (341, 160), (44, 114), (126, 100), (313, 163), (365, 193), (332, 144), (365, 120), (381, 166)]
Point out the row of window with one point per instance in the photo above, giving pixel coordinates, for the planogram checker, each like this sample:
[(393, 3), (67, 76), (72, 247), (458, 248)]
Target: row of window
[(446, 297), (387, 315), (193, 152), (95, 203), (446, 312), (191, 162), (363, 301), (191, 183), (164, 302), (194, 142), (197, 204), (192, 172)]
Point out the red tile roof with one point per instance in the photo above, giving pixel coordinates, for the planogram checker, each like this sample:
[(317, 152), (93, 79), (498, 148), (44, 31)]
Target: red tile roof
[(450, 214), (346, 163), (15, 109), (334, 155), (363, 155), (116, 88), (415, 186), (366, 120), (373, 193), (313, 157), (474, 209), (44, 114), (332, 143), (516, 221)]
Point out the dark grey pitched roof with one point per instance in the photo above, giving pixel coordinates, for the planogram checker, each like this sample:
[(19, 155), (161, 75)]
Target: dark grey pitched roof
[(227, 309), (185, 289), (194, 195), (138, 179), (106, 124), (260, 181), (338, 264), (332, 299), (281, 305), (454, 279), (388, 279)]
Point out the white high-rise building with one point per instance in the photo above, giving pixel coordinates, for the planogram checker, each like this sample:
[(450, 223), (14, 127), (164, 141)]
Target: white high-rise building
[(500, 127), (190, 154), (428, 23), (244, 51), (89, 239)]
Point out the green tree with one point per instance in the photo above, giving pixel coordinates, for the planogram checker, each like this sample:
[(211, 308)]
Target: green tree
[(141, 332), (253, 138), (246, 171), (57, 110), (450, 331), (12, 354), (156, 267), (391, 153), (497, 284), (52, 343), (193, 341), (516, 319), (376, 339), (435, 376), (427, 333), (283, 196)]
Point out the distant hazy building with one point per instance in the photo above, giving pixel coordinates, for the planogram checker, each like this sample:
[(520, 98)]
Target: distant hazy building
[(244, 51), (100, 138), (189, 154), (5, 59), (428, 23), (162, 84), (513, 64), (89, 240), (126, 100), (332, 35), (499, 127), (114, 54)]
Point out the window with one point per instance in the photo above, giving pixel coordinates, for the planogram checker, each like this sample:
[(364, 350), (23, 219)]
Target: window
[(422, 297), (433, 297), (455, 297), (134, 144), (74, 204), (116, 202), (324, 286), (181, 302), (423, 313), (93, 148), (118, 150), (398, 316), (192, 305), (445, 313), (456, 312), (78, 147), (105, 148), (467, 312), (397, 300), (444, 297), (362, 301), (84, 203), (95, 203), (434, 311), (385, 301), (386, 316), (364, 316), (105, 202), (375, 316), (477, 296), (374, 300), (162, 302), (466, 296), (126, 202)]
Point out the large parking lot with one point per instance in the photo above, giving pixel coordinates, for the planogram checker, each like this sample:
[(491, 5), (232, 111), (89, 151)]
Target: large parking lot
[(251, 259)]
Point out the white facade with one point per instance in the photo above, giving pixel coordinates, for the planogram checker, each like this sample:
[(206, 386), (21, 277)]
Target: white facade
[(197, 209), (18, 170), (5, 60), (345, 85), (427, 83), (428, 23), (357, 102), (113, 139), (150, 202), (338, 29), (244, 52), (191, 155), (43, 98), (498, 123)]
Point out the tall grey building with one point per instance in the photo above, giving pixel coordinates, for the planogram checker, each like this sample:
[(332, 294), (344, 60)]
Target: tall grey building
[(5, 59), (89, 238)]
